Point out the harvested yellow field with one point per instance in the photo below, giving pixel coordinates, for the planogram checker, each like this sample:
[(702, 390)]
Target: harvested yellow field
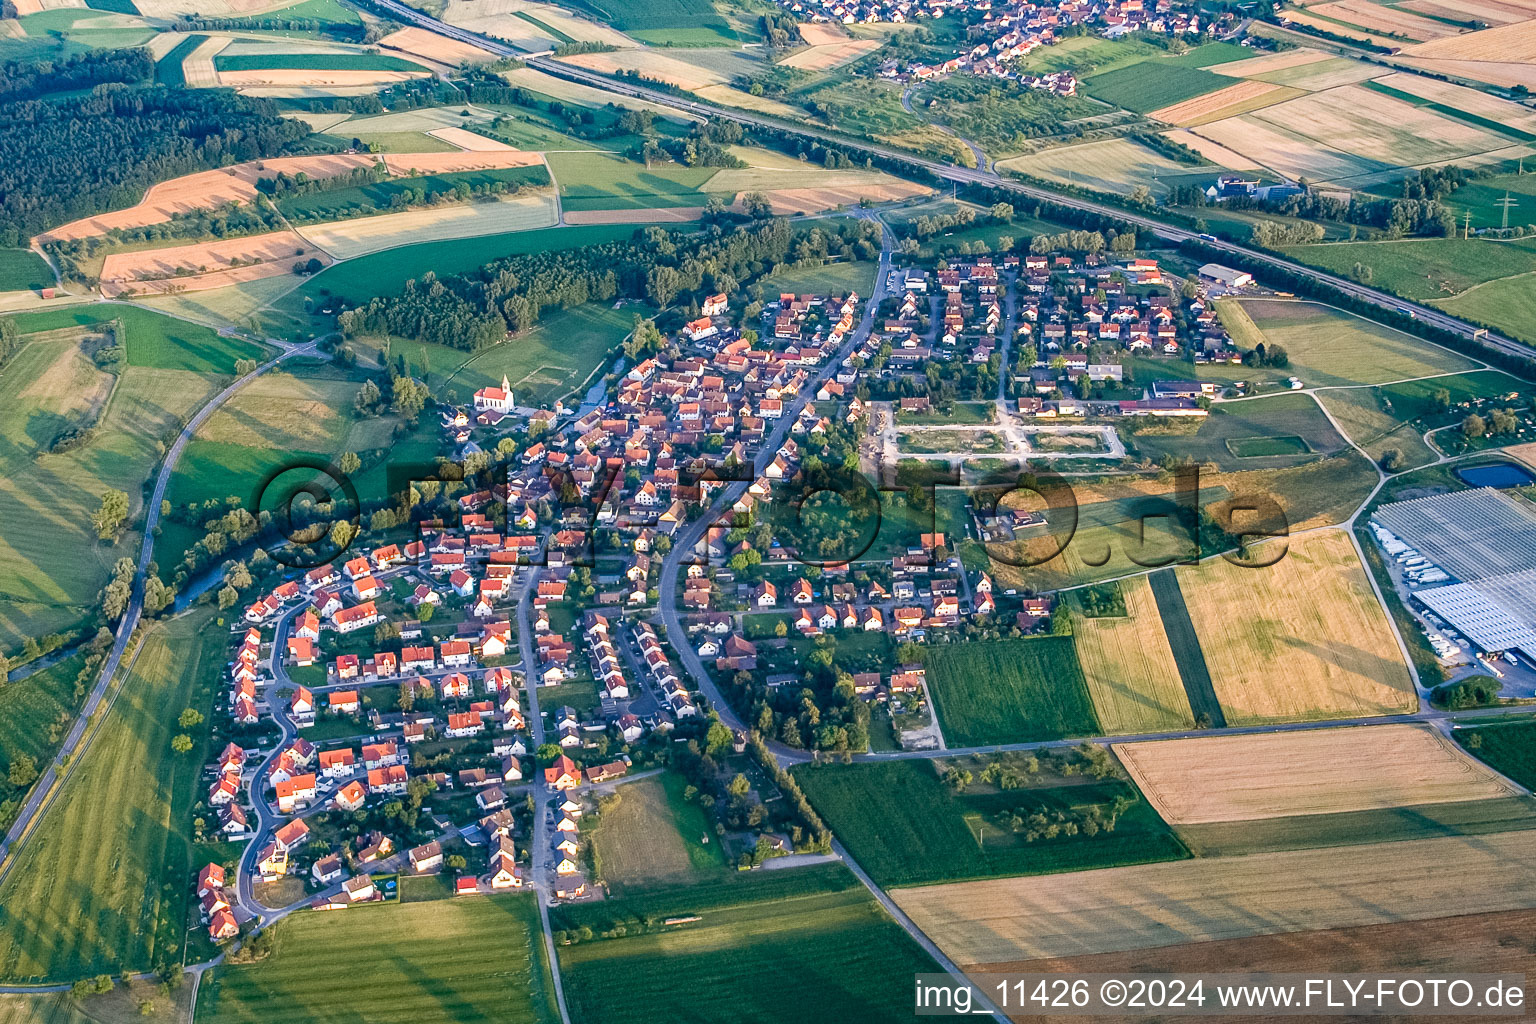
[(470, 141), (1302, 640), (1385, 19), (1473, 101), (1504, 75), (501, 20), (418, 42), (26, 7), (1322, 771), (585, 95), (658, 215), (349, 238), (318, 121), (763, 179), (649, 64), (1371, 125), (448, 163), (822, 33), (1214, 152), (814, 200), (1283, 151), (1491, 12), (1526, 453), (197, 67), (1328, 74), (1115, 909), (730, 96), (1129, 667), (161, 43), (1229, 102), (206, 265), (1324, 25), (208, 8), (831, 55), (206, 190), (287, 78), (1506, 44), (1270, 62), (10, 28), (1109, 165)]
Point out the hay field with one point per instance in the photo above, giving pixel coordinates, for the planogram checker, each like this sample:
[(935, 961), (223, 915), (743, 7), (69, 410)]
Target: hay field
[(528, 25), (1214, 152), (732, 97), (283, 411), (1334, 28), (1323, 771), (169, 9), (1374, 126), (652, 838), (827, 56), (418, 42), (197, 67), (466, 160), (1302, 640), (207, 264), (1285, 152), (206, 190), (1229, 102), (1473, 101), (767, 179), (1279, 61), (1170, 903), (1113, 165), (425, 119), (1129, 666), (349, 238), (1385, 19), (469, 141), (822, 33), (650, 64), (1328, 74)]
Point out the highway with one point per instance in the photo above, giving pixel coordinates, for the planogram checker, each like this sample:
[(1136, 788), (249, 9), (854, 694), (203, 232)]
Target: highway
[(960, 175)]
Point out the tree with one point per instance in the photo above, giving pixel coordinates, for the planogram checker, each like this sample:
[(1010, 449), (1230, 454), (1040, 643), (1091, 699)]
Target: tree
[(1473, 426), (181, 743), (455, 862), (227, 598), (342, 533), (547, 753), (349, 463), (189, 718), (1392, 460), (410, 397), (23, 771), (112, 514), (407, 695), (717, 739)]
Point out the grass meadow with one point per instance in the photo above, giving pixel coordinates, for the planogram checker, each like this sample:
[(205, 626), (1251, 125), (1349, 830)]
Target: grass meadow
[(653, 838), (23, 269), (1424, 268), (1508, 747), (314, 62), (1009, 691), (152, 340), (37, 711), (380, 196), (905, 826), (602, 181), (100, 885), (1230, 436), (442, 961), (791, 945)]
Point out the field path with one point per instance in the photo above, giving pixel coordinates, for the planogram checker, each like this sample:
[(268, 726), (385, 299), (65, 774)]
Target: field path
[(63, 763)]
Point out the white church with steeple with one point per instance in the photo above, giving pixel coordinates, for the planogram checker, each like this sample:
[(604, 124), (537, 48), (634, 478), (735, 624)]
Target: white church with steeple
[(500, 399)]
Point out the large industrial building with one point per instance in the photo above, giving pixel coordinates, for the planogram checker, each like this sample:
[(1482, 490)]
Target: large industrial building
[(1470, 557)]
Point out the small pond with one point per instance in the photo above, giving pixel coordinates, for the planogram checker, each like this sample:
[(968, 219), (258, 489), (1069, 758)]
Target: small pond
[(1503, 474)]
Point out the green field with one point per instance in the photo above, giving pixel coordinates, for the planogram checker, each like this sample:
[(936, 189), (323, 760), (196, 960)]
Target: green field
[(396, 194), (314, 62), (1509, 747), (1507, 305), (52, 566), (652, 837), (831, 279), (1328, 347), (37, 711), (101, 883), (152, 339), (1352, 828), (1009, 691), (1370, 423), (1236, 434), (906, 827), (448, 961), (1152, 85), (168, 69), (1483, 198), (1185, 645), (23, 270), (1424, 268), (665, 22), (604, 181), (1397, 415), (794, 945)]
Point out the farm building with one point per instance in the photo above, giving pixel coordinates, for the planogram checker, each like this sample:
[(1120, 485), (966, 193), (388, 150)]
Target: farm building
[(1219, 274)]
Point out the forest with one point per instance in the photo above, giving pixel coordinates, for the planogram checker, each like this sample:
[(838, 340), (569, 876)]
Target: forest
[(69, 158), (25, 80)]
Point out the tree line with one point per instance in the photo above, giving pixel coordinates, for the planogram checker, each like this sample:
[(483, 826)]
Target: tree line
[(29, 79)]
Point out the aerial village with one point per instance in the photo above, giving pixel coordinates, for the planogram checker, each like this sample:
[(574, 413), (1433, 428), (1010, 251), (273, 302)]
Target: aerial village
[(458, 702)]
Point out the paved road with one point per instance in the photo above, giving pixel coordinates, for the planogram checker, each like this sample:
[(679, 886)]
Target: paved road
[(56, 770), (960, 175)]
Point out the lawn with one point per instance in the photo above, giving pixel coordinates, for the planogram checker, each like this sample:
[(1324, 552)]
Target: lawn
[(1152, 85), (449, 961), (1237, 434), (22, 270), (152, 339), (905, 826), (314, 62), (1327, 346), (792, 945), (1302, 640), (1009, 691), (52, 566), (652, 837), (100, 885), (1129, 667)]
